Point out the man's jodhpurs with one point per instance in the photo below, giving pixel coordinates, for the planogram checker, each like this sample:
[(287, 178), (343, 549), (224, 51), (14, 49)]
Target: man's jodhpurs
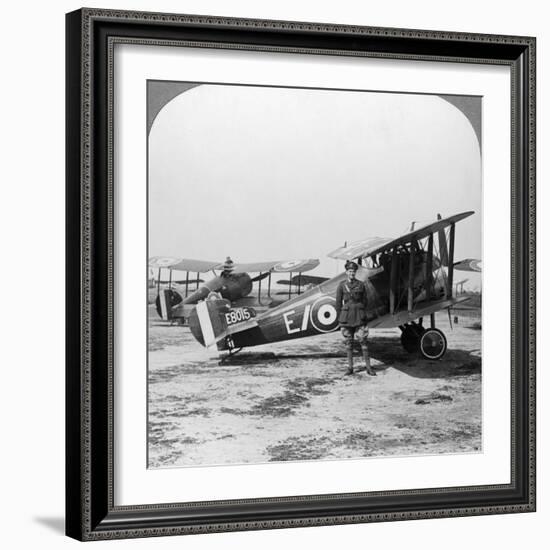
[(362, 333)]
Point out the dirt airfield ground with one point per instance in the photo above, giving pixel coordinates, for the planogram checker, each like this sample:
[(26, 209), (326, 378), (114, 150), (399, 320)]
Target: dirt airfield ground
[(291, 400)]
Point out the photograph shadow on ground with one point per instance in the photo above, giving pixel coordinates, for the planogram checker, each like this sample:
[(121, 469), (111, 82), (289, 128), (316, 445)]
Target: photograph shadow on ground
[(454, 363), (384, 352), (259, 359)]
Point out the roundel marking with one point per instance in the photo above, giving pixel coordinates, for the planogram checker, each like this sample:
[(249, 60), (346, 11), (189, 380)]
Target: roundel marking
[(288, 265), (164, 262), (323, 314), (326, 314), (475, 265)]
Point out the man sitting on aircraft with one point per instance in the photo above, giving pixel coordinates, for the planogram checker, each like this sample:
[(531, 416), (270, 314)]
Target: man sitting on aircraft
[(228, 268), (351, 307)]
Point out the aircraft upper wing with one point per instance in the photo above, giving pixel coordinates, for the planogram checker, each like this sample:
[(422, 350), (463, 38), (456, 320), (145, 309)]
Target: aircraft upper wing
[(359, 248), (285, 266), (182, 264), (201, 266), (374, 245)]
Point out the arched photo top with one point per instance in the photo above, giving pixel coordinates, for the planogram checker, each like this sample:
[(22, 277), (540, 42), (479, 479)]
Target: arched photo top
[(261, 172)]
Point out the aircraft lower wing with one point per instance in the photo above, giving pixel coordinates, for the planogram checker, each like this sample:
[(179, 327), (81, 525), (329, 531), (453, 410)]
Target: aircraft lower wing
[(303, 280), (403, 317)]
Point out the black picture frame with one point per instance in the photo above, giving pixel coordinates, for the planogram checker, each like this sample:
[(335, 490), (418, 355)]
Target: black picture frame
[(90, 510)]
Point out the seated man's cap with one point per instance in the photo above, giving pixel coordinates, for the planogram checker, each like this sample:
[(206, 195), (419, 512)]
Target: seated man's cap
[(351, 265), (228, 265)]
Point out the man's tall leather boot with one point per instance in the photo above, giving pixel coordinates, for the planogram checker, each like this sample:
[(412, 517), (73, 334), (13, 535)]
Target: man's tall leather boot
[(368, 367), (350, 362)]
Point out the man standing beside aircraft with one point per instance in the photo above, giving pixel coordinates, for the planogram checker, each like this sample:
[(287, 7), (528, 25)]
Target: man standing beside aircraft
[(351, 310)]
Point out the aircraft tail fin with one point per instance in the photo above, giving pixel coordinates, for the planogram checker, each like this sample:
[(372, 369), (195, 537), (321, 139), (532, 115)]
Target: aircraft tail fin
[(166, 302), (213, 320), (208, 322)]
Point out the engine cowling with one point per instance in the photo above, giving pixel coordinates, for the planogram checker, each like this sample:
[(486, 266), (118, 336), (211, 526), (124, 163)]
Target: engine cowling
[(231, 287)]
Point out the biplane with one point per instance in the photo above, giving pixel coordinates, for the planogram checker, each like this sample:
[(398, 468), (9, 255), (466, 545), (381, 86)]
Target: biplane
[(459, 286), (176, 300), (407, 279)]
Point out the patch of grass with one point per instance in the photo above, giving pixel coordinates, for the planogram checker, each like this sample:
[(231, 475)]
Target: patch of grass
[(359, 439), (370, 444), (238, 412), (199, 411), (434, 396), (279, 405), (312, 386), (297, 448), (188, 440)]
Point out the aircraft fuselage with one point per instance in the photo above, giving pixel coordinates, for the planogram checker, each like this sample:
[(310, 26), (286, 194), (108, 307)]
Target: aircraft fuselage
[(314, 311)]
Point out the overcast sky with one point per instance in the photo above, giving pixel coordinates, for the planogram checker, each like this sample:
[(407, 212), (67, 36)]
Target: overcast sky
[(276, 173)]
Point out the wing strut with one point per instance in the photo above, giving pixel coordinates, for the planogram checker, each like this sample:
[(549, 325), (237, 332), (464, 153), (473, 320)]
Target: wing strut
[(450, 269), (393, 279), (411, 279), (429, 267), (186, 283), (260, 288), (443, 252), (289, 286)]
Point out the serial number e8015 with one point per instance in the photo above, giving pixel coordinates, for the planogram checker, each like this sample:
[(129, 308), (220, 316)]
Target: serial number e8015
[(238, 315)]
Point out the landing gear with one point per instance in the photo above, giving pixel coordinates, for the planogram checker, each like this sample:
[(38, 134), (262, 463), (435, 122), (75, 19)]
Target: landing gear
[(410, 336), (433, 344), (230, 346)]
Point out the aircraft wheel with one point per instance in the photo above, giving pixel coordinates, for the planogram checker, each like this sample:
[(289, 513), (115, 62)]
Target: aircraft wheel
[(410, 337), (433, 344)]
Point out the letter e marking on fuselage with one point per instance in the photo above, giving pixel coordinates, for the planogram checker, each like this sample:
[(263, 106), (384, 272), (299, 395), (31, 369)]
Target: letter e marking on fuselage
[(289, 322)]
